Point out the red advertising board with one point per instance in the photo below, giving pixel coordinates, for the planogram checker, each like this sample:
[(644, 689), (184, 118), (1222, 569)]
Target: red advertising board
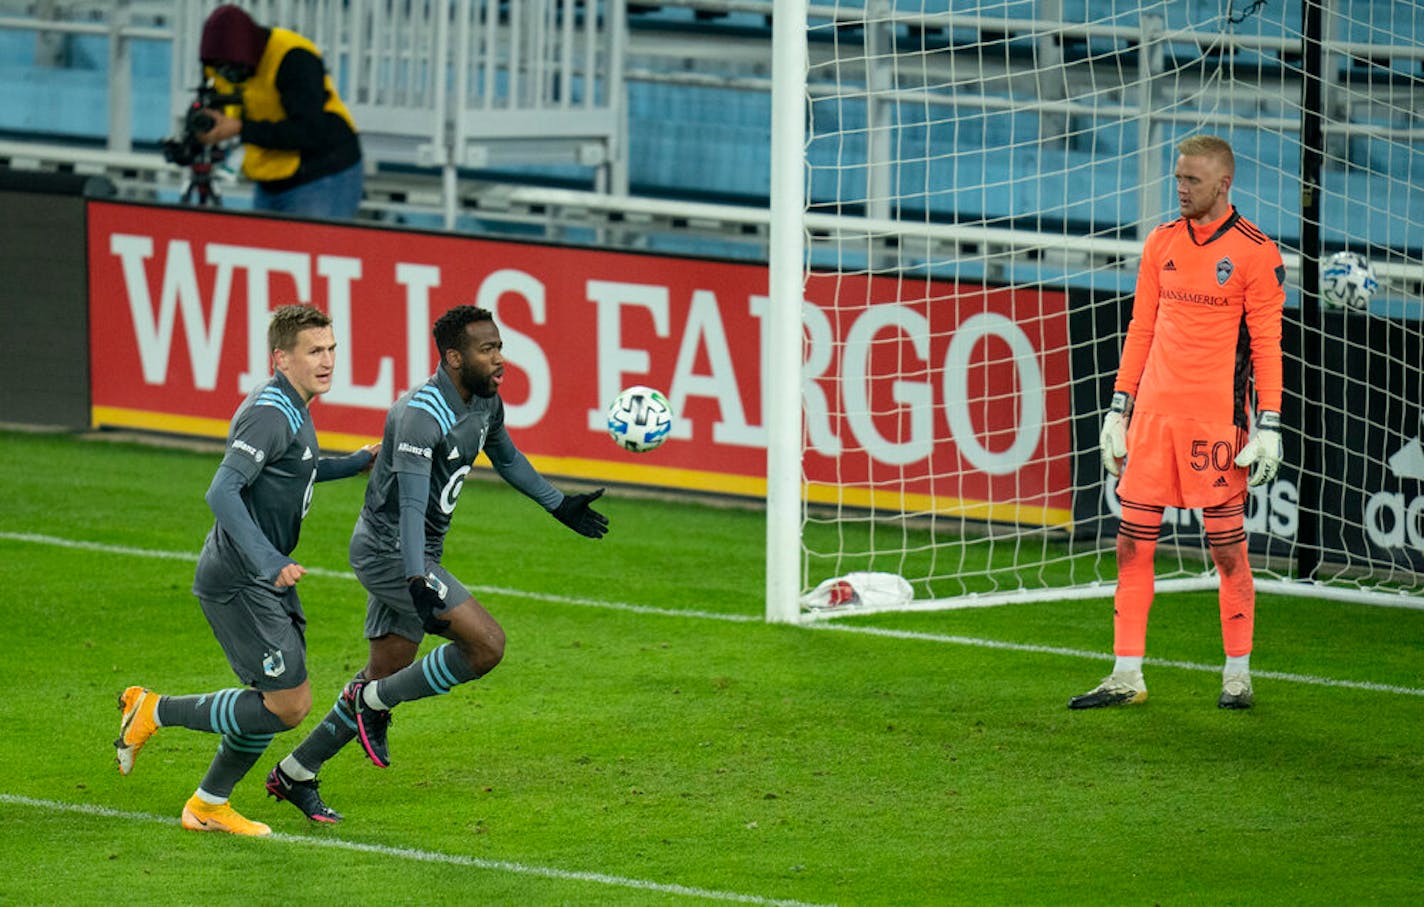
[(958, 392)]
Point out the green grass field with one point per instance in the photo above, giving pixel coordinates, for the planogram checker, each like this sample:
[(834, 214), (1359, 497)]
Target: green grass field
[(649, 740)]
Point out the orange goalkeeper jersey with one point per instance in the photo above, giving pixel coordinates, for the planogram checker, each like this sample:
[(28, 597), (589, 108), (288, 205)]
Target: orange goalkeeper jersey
[(1206, 314)]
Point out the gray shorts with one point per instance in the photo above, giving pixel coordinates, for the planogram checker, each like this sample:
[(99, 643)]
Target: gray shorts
[(263, 633), (389, 609)]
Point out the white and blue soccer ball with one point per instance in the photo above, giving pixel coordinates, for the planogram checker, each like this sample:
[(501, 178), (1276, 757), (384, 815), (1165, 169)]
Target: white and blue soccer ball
[(640, 419), (1347, 282)]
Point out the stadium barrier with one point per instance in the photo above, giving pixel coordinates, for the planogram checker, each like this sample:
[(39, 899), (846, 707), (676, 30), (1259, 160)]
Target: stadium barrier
[(44, 367)]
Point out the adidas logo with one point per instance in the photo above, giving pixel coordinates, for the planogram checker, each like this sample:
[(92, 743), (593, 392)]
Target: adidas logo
[(1408, 461), (1170, 265), (307, 455), (1239, 615), (1220, 482), (454, 454), (1396, 508)]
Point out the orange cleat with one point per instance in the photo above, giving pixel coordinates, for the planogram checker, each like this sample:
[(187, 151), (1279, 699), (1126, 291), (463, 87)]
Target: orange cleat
[(136, 726), (199, 815)]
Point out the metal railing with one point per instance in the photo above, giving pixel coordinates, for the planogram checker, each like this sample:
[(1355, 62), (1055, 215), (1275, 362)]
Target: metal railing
[(544, 81), (446, 83), (466, 83)]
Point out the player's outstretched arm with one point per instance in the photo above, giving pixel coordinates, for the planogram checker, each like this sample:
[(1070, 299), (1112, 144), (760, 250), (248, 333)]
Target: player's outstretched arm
[(574, 512), (328, 468)]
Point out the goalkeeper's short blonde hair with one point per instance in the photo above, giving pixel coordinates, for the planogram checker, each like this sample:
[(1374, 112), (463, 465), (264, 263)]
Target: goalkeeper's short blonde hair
[(1209, 146)]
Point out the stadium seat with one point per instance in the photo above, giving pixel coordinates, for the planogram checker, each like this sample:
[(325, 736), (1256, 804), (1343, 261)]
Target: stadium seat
[(975, 165)]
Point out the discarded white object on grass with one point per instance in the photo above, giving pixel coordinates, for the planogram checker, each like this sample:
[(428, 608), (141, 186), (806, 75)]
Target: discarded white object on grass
[(862, 589)]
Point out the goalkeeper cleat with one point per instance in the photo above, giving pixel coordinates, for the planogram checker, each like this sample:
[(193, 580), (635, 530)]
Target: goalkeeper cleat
[(1236, 692), (136, 726), (1127, 688), (301, 794), (199, 815), (371, 724)]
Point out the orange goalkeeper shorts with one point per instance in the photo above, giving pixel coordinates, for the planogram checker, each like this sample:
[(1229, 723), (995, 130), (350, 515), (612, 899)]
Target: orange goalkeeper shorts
[(1177, 462)]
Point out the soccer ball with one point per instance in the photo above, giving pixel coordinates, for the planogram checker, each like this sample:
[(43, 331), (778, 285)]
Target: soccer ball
[(640, 419), (1347, 282)]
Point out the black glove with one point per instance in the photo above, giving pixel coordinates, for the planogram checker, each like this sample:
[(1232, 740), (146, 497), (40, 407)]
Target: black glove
[(575, 513), (427, 602)]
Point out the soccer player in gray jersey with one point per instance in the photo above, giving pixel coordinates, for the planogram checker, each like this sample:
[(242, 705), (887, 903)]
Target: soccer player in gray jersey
[(246, 578), (433, 434)]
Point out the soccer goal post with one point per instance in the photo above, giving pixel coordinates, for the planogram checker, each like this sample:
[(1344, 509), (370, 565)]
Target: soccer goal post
[(959, 197)]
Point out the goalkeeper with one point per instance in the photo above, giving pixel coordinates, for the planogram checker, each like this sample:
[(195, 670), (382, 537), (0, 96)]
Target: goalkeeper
[(1206, 318), (433, 434)]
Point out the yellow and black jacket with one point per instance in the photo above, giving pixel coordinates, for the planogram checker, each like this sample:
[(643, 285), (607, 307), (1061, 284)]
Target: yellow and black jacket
[(294, 125)]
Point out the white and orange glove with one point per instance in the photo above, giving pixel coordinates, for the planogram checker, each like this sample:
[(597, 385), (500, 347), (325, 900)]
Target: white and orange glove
[(1113, 440), (1263, 452)]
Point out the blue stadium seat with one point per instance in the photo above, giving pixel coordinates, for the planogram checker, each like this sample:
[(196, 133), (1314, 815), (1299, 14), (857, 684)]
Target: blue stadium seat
[(1265, 149), (1269, 198), (74, 103), (971, 185), (1356, 204), (969, 164), (1381, 22), (1077, 187)]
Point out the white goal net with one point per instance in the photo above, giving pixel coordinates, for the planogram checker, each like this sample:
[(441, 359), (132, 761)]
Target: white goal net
[(977, 181)]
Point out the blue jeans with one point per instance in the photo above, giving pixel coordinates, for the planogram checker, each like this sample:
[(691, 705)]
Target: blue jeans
[(334, 197)]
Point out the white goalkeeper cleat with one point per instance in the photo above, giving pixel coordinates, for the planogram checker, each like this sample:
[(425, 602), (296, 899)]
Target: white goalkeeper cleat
[(1125, 688), (1236, 692)]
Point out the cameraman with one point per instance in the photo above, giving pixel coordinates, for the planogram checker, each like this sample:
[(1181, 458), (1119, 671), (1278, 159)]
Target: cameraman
[(302, 151)]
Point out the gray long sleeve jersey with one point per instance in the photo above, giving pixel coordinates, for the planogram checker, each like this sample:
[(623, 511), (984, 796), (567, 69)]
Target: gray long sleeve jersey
[(431, 440), (263, 489)]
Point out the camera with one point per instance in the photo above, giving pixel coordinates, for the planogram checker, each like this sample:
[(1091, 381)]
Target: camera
[(186, 150)]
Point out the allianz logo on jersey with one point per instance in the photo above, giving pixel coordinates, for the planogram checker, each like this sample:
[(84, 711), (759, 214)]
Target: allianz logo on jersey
[(1391, 521), (405, 447), (254, 453)]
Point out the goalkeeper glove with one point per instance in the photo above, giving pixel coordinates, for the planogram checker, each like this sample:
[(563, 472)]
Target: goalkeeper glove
[(1263, 452), (575, 513), (427, 601), (1113, 440)]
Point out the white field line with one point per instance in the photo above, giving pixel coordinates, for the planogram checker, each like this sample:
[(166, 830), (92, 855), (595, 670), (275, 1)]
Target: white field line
[(745, 618), (192, 558), (1100, 656), (425, 856)]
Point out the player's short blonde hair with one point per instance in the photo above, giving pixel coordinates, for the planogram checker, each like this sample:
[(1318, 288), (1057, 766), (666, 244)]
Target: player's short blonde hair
[(290, 320), (1209, 146)]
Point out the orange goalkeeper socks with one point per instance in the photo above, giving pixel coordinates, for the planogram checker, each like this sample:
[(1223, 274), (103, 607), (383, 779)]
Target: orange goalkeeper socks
[(1136, 573), (1226, 534)]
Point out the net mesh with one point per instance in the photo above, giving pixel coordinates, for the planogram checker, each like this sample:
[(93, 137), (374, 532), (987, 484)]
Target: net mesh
[(979, 179)]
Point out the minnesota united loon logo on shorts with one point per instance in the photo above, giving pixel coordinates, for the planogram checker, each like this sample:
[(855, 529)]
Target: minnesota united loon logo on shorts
[(435, 583), (273, 664), (1223, 271)]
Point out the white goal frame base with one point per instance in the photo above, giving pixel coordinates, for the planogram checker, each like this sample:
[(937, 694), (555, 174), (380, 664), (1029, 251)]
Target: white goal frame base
[(1205, 583)]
